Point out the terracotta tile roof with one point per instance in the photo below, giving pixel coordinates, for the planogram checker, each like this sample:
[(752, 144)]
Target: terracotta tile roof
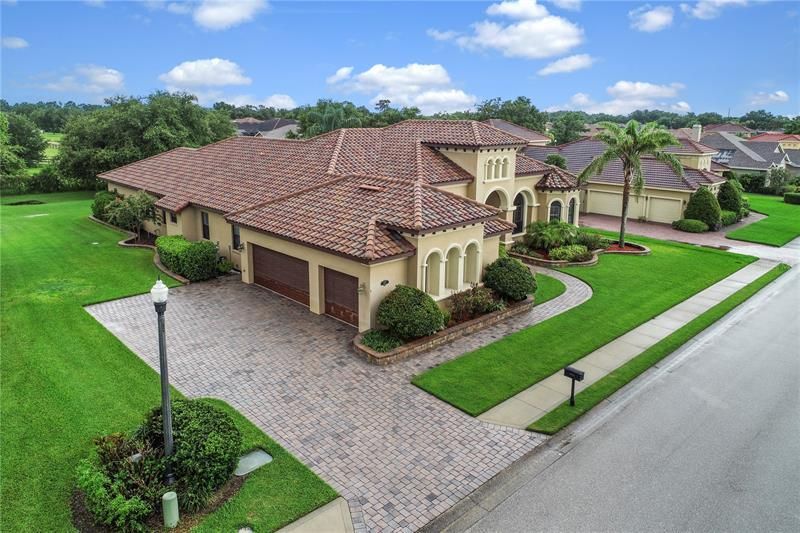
[(515, 129), (688, 146), (527, 166), (497, 226), (362, 216), (774, 137), (557, 179)]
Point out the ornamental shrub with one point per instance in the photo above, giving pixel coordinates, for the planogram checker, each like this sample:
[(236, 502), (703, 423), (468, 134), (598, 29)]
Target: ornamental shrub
[(571, 253), (473, 302), (207, 448), (592, 241), (792, 198), (729, 217), (689, 225), (729, 197), (380, 340), (195, 261), (703, 206), (409, 313), (510, 279), (101, 201), (543, 235)]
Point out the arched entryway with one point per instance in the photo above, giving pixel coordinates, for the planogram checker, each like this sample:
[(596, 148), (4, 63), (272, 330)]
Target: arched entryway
[(433, 272), (497, 198), (452, 278), (472, 266), (519, 213), (571, 212)]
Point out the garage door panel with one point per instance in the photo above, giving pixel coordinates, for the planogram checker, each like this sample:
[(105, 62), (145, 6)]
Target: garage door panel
[(281, 273), (664, 210), (341, 296), (605, 203)]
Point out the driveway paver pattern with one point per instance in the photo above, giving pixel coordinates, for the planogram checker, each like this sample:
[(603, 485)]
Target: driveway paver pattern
[(398, 455)]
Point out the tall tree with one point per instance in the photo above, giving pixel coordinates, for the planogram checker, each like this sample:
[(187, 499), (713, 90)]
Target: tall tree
[(792, 126), (629, 144), (23, 132), (328, 115), (567, 128), (12, 166)]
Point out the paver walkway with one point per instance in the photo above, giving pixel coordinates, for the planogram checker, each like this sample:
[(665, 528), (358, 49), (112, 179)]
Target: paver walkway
[(523, 409), (399, 456)]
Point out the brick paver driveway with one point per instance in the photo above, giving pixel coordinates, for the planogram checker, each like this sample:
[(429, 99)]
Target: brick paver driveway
[(398, 455)]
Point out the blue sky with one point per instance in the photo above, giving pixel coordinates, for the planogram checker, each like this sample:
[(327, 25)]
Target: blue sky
[(706, 55)]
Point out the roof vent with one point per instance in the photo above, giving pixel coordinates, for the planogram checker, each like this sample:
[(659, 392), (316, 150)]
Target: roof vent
[(370, 188)]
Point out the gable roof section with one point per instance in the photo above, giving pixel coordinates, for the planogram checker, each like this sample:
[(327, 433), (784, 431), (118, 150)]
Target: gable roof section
[(528, 166), (557, 179), (687, 146), (515, 129), (729, 127)]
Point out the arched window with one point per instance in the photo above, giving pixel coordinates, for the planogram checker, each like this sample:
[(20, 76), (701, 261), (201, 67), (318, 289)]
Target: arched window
[(451, 277), (472, 267), (433, 273), (490, 169), (519, 213), (497, 198), (504, 173), (555, 211), (571, 213)]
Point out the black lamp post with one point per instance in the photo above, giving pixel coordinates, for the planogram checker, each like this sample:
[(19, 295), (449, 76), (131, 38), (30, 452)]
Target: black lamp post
[(159, 294)]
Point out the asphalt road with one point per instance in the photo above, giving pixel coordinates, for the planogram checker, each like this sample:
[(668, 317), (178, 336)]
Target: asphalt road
[(710, 442)]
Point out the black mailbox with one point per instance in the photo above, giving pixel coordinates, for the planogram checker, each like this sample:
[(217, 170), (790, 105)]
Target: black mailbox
[(573, 373)]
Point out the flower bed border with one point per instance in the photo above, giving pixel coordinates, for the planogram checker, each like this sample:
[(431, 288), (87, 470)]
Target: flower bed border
[(643, 250), (537, 261), (156, 258), (450, 334)]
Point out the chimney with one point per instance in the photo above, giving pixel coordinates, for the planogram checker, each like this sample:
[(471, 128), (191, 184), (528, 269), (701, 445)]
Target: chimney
[(697, 132)]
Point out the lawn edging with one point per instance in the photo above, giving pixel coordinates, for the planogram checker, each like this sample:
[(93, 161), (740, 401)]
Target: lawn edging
[(587, 399)]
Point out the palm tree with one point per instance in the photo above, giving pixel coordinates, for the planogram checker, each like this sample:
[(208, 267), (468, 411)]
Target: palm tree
[(331, 118), (629, 144)]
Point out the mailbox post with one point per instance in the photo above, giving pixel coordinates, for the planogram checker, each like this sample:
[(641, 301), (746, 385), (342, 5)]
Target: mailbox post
[(575, 375)]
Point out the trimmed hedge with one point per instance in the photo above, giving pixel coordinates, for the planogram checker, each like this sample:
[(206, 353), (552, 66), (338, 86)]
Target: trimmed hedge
[(510, 279), (690, 225), (196, 261), (730, 197), (792, 198), (703, 206), (572, 253), (730, 217), (409, 313)]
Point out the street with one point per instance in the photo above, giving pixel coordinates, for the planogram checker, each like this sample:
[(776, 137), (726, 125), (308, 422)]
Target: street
[(710, 441)]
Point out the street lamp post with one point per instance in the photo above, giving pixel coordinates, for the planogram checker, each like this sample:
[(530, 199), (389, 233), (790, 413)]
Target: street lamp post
[(159, 294)]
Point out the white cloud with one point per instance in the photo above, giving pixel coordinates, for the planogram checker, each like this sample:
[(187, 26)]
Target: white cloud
[(93, 79), (651, 19), (224, 14), (442, 35), (14, 42), (709, 9), (427, 87), (572, 5), (340, 75), (179, 8), (536, 34), (627, 96), (278, 101), (567, 64), (776, 97), (213, 72), (95, 3)]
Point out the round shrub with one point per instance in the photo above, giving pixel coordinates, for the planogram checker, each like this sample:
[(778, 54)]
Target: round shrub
[(571, 253), (592, 241), (703, 206), (101, 201), (730, 197), (792, 198), (510, 279), (409, 313), (207, 448), (690, 225), (729, 217)]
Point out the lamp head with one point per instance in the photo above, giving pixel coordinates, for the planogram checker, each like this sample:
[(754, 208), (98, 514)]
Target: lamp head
[(159, 292)]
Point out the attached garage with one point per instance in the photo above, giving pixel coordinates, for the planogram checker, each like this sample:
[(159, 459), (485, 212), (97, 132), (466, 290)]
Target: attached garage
[(281, 273), (664, 210), (341, 296), (605, 203)]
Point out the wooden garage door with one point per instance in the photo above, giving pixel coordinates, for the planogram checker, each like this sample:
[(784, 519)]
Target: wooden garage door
[(341, 296), (664, 210), (281, 273)]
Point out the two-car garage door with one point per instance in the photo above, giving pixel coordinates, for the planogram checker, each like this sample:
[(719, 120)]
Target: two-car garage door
[(288, 276), (664, 210)]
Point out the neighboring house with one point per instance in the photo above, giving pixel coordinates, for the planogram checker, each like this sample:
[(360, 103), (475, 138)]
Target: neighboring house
[(336, 221), (665, 194), (274, 128), (748, 156), (730, 127), (787, 141), (534, 137)]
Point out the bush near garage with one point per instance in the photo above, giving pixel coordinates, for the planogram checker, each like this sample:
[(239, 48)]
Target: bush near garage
[(690, 226), (703, 206), (409, 313), (510, 279), (196, 261)]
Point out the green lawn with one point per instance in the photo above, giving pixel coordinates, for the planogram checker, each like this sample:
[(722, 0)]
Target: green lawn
[(565, 414), (781, 225), (66, 379), (628, 290), (547, 288)]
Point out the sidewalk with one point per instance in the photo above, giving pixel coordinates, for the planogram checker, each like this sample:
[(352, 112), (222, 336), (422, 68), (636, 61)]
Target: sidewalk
[(526, 407)]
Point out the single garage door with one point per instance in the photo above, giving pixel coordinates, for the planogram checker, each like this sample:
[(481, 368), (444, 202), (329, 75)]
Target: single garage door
[(664, 210), (341, 296), (605, 203), (281, 273)]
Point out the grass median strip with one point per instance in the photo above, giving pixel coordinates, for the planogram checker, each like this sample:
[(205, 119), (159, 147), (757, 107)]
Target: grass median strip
[(565, 414), (781, 225)]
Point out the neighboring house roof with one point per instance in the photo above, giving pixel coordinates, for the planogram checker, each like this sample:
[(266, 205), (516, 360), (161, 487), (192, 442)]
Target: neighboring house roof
[(729, 127), (515, 129), (581, 152), (252, 126), (688, 146), (743, 154), (268, 176), (775, 137), (794, 157)]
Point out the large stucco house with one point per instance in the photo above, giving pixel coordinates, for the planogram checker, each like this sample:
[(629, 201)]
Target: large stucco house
[(335, 222)]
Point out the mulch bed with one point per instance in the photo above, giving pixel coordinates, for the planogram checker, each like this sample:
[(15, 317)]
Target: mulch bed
[(83, 520), (628, 248)]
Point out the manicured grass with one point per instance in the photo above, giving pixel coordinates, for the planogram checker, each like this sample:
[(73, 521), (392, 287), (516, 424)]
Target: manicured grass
[(65, 378), (781, 225), (628, 291), (547, 288), (565, 414)]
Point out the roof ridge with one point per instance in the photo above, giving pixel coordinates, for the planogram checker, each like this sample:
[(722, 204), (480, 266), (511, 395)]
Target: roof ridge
[(336, 150), (476, 133), (418, 204), (369, 245), (738, 143), (288, 195), (418, 159)]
